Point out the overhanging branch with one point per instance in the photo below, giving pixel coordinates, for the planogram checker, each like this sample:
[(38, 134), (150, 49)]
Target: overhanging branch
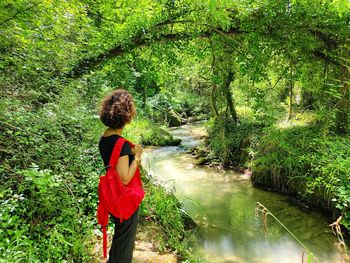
[(89, 63), (139, 40)]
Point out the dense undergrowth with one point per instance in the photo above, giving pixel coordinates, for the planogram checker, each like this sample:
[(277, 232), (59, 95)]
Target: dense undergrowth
[(299, 158), (49, 170)]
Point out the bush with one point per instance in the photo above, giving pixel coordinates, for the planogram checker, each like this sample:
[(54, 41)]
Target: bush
[(44, 218), (48, 179), (149, 133), (230, 142)]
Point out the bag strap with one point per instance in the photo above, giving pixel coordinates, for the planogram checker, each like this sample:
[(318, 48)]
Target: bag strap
[(116, 152)]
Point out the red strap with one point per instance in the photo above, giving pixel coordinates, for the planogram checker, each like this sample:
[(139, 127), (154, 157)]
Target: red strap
[(104, 231), (116, 152), (117, 149), (131, 144)]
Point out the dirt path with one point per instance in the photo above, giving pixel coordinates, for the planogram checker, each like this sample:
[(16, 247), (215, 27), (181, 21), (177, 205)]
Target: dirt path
[(145, 253), (145, 250)]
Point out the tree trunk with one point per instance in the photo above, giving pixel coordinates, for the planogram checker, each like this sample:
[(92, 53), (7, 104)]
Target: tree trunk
[(144, 96), (227, 90), (214, 89), (213, 101), (290, 95), (307, 100), (342, 116)]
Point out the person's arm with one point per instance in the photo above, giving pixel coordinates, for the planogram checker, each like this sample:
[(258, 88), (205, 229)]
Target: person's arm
[(125, 171)]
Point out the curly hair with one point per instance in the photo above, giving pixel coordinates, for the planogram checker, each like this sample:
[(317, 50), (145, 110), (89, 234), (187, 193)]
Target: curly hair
[(117, 109)]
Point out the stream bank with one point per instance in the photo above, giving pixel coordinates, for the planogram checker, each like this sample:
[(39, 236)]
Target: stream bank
[(307, 164), (269, 183), (223, 202)]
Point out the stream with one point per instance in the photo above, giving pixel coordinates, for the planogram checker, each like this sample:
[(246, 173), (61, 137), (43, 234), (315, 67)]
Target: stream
[(223, 204)]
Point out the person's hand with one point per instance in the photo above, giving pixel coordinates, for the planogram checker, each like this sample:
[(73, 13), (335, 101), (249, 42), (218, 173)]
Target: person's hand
[(137, 150)]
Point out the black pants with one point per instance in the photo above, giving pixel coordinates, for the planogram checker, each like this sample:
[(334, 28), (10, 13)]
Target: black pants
[(123, 239)]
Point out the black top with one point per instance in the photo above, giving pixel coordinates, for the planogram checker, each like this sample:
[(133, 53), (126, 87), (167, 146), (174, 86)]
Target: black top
[(106, 145)]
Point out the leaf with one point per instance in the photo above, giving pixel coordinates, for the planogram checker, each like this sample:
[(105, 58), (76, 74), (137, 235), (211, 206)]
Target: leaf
[(212, 5)]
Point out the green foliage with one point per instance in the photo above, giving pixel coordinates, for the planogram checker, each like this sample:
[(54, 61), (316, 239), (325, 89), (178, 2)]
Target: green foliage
[(148, 133), (302, 161), (159, 105), (48, 175), (297, 157), (172, 55), (164, 208), (329, 171), (43, 219)]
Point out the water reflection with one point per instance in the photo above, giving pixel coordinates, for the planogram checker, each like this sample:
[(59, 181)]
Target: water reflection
[(223, 205)]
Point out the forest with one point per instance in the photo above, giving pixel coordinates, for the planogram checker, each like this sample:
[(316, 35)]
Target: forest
[(268, 80)]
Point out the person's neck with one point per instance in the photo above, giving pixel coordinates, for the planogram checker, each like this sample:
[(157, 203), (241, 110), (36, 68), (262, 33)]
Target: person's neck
[(111, 131)]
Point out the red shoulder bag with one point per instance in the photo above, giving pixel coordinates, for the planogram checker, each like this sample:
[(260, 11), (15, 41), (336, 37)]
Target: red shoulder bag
[(115, 198)]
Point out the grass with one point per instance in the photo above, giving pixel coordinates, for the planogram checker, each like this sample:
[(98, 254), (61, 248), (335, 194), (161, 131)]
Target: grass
[(162, 207), (264, 212)]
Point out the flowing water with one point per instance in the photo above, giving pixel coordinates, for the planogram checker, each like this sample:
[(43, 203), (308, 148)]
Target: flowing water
[(223, 205)]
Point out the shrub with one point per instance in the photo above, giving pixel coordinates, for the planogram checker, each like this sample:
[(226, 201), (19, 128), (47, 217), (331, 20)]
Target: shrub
[(230, 142)]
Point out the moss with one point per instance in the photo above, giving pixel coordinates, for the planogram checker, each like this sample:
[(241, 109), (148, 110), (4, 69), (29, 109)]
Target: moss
[(202, 161), (158, 137)]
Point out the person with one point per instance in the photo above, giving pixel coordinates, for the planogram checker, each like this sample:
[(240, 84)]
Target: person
[(117, 110)]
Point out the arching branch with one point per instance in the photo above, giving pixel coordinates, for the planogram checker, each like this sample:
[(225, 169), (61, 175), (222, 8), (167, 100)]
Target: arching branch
[(140, 40), (89, 63)]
